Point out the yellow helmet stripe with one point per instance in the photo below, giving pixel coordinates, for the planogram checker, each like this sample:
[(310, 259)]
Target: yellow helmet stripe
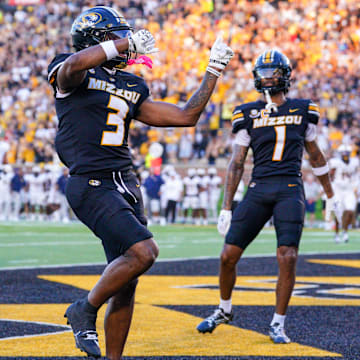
[(268, 57)]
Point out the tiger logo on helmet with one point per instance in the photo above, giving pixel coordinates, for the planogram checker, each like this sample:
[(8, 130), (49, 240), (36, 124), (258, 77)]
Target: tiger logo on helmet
[(99, 24)]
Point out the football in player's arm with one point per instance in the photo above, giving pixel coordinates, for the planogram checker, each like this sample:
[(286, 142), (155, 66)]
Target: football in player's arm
[(277, 130), (95, 102)]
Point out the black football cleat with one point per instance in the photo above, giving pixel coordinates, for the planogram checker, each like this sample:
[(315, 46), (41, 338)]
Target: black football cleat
[(83, 325)]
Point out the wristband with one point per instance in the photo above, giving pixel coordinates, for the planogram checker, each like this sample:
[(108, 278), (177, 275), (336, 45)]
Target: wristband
[(110, 49), (321, 170), (213, 71)]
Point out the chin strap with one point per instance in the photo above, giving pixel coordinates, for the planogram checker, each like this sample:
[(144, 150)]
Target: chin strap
[(270, 106), (145, 60)]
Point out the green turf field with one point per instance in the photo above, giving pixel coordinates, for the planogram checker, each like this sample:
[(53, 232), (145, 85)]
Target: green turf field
[(43, 244)]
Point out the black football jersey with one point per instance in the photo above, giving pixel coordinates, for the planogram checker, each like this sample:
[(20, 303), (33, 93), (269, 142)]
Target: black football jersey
[(277, 138), (94, 118)]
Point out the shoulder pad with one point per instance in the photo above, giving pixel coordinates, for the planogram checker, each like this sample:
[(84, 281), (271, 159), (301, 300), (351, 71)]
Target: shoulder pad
[(238, 120), (240, 117), (313, 112), (54, 66)]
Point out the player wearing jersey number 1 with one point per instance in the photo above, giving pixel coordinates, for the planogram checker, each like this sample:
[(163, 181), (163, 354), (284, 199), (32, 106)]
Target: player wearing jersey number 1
[(277, 130), (95, 102)]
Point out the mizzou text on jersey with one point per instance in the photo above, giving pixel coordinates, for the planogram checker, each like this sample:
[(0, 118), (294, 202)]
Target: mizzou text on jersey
[(94, 118)]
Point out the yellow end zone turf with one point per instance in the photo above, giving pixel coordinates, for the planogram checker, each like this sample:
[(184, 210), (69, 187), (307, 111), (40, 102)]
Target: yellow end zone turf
[(155, 332), (164, 332), (181, 290), (337, 262)]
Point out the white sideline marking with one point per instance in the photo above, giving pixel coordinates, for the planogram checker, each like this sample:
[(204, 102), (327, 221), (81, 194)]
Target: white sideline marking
[(36, 233), (23, 261), (177, 259), (49, 266), (198, 233), (327, 239), (50, 243)]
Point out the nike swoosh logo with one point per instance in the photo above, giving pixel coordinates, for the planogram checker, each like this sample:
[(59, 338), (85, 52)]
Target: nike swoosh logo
[(293, 110), (131, 85), (292, 185)]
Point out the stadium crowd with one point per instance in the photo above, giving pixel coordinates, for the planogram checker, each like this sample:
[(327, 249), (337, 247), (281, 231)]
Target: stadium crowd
[(321, 37)]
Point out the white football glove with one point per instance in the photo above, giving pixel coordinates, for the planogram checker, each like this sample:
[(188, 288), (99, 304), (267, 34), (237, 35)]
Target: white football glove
[(220, 54), (334, 205), (142, 42), (224, 221)]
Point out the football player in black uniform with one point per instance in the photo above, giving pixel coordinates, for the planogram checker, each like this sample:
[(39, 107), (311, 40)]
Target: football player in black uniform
[(277, 132), (95, 101)]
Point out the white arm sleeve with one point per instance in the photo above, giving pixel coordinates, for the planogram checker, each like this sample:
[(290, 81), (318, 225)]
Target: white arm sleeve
[(310, 134), (242, 138)]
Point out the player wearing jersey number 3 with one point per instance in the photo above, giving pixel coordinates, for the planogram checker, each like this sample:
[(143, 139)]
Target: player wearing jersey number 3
[(277, 130), (95, 102)]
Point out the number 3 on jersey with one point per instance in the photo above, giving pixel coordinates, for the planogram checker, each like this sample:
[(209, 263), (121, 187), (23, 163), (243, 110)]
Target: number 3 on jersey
[(115, 138), (279, 143)]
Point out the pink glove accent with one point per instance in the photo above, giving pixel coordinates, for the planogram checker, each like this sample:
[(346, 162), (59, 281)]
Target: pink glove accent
[(141, 60)]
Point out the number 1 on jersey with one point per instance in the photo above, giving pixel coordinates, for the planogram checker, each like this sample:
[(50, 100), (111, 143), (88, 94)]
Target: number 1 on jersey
[(115, 138), (279, 142)]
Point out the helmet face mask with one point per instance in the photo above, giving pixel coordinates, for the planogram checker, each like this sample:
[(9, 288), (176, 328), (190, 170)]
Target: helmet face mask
[(119, 62), (345, 152), (100, 24), (345, 157), (272, 72)]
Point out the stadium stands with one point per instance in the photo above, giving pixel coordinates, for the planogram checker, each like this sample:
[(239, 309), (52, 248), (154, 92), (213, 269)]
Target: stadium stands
[(321, 38)]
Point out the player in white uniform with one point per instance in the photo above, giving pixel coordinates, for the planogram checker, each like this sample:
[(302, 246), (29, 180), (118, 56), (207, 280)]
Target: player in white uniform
[(35, 181), (203, 185), (344, 171), (172, 189), (52, 196), (214, 193), (5, 192), (191, 198), (143, 176), (165, 174)]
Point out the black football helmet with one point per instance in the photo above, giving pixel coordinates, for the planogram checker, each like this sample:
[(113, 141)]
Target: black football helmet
[(97, 25), (274, 65)]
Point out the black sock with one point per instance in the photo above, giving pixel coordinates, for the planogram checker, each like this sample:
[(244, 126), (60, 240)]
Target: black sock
[(89, 308)]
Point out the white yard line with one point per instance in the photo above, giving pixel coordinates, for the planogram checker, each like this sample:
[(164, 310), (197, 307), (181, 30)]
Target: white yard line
[(37, 234), (177, 259), (26, 261), (328, 238), (50, 243)]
